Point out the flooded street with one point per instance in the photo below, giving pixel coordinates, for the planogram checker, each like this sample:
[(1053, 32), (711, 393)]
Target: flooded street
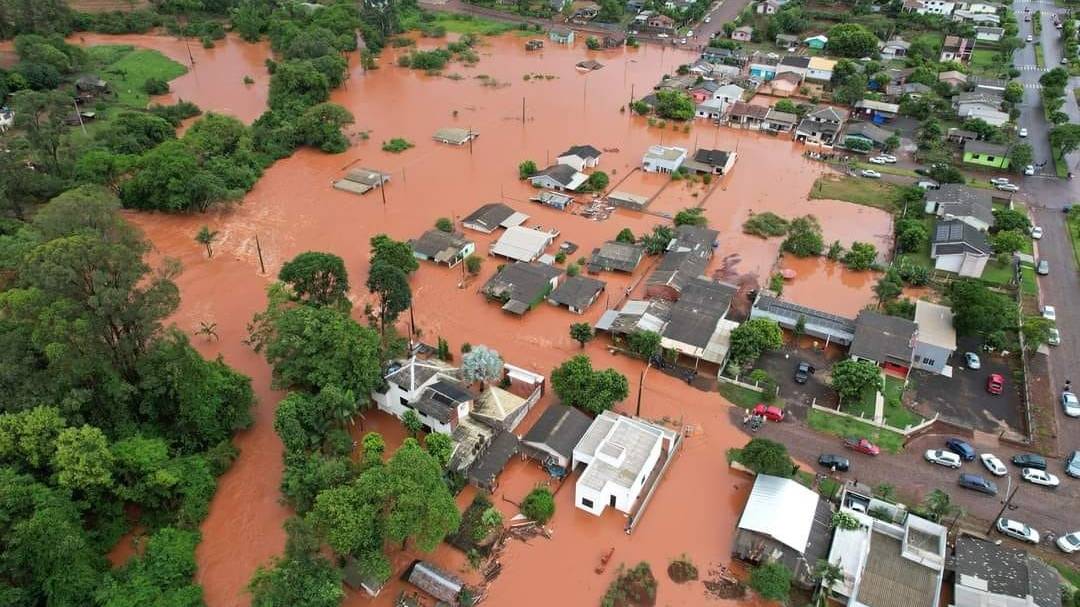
[(293, 209)]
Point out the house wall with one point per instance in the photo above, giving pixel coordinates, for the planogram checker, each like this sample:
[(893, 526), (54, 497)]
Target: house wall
[(930, 357), (964, 264), (661, 292), (624, 497), (391, 403), (819, 74), (575, 161), (543, 181), (656, 165)]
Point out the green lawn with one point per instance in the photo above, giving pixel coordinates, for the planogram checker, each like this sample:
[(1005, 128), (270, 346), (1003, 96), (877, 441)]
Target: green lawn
[(859, 190), (997, 273), (888, 169), (739, 396), (1039, 61), (864, 406), (828, 487), (896, 414), (1028, 284), (1074, 237), (459, 24), (127, 69), (837, 425), (985, 62)]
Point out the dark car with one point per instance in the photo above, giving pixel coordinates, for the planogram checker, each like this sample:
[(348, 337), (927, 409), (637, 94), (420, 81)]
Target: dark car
[(977, 483), (961, 448), (1072, 464), (835, 463), (1029, 460), (803, 372)]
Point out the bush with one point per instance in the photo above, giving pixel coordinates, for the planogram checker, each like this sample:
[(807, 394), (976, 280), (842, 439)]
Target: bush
[(765, 225), (539, 505), (396, 145), (443, 224), (767, 457), (155, 86), (772, 581), (473, 263)]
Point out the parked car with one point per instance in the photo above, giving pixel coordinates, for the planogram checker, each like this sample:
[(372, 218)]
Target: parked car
[(803, 371), (1039, 477), (994, 464), (1043, 268), (1029, 460), (1008, 187), (1028, 169), (769, 412), (928, 185), (1049, 312), (1070, 404), (834, 462), (1029, 37), (872, 174), (1036, 232), (1023, 132), (1072, 464), (977, 483), (861, 445), (876, 160), (961, 448), (1054, 339), (995, 383), (942, 458), (999, 180), (972, 361), (1016, 529), (1069, 543), (887, 158), (708, 19)]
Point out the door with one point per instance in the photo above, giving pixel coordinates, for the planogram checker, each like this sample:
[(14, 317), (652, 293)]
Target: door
[(612, 501)]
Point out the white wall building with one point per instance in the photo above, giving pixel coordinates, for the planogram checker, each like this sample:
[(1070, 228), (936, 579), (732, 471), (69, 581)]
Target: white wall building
[(429, 388), (663, 159), (619, 453)]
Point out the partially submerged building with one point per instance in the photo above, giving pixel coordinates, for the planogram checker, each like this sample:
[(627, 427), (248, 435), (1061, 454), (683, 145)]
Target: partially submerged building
[(431, 389), (455, 136), (559, 177), (713, 162), (577, 293), (492, 216), (520, 286), (663, 159), (433, 580), (580, 157), (519, 243), (615, 256), (448, 248), (361, 181), (552, 438), (687, 257)]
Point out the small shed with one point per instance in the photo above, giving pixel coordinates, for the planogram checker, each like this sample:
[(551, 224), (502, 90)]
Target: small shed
[(361, 181), (433, 580), (455, 136), (628, 200), (552, 438), (561, 36), (553, 199)]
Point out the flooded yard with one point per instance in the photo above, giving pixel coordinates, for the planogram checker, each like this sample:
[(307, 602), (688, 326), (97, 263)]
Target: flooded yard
[(295, 209)]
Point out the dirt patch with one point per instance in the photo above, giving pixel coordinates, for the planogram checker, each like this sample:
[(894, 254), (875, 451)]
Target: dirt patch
[(635, 587), (722, 584), (681, 570)]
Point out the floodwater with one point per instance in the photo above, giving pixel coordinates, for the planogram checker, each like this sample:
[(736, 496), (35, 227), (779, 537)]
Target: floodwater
[(293, 209)]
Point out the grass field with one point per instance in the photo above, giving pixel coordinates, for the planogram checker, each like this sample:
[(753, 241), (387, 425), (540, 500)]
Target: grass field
[(863, 407), (459, 24), (997, 273), (1028, 284), (127, 69), (1074, 237), (896, 414), (859, 190), (739, 396), (888, 169), (841, 426), (985, 62)]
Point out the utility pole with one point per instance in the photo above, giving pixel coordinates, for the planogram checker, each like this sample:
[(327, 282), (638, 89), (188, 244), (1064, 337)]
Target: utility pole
[(258, 247), (631, 95), (641, 386), (382, 188), (470, 139), (78, 113), (522, 111), (1006, 504)]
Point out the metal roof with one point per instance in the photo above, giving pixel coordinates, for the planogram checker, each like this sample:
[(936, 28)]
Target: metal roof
[(781, 509), (935, 324)]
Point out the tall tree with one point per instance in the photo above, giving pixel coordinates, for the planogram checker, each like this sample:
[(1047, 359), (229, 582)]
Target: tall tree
[(41, 114), (581, 332), (390, 285), (482, 364), (753, 337), (317, 279), (394, 253), (850, 377), (205, 236), (579, 385)]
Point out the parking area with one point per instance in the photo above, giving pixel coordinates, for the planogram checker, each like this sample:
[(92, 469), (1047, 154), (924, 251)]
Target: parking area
[(963, 398), (780, 365)]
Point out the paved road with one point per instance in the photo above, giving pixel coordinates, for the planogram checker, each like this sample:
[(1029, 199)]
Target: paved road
[(1048, 510)]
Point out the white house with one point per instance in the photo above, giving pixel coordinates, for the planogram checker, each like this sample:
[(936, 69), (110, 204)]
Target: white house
[(580, 157), (522, 244), (710, 108), (663, 159), (7, 118), (729, 93), (429, 388), (619, 453), (929, 7), (935, 341), (986, 33), (559, 177)]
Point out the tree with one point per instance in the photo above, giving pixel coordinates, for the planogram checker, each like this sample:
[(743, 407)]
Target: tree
[(1008, 242), (40, 115), (315, 347), (1014, 92), (767, 457), (306, 475), (692, 216), (136, 132), (753, 337), (861, 256), (1011, 219), (844, 521), (301, 577), (320, 127), (303, 420), (977, 310), (578, 385), (526, 169), (1036, 331), (625, 235), (481, 364), (938, 505), (581, 332), (1065, 138), (804, 237), (317, 279), (390, 285), (1055, 78), (885, 491), (539, 505), (206, 237), (674, 105), (658, 241), (610, 11), (827, 574), (850, 377), (910, 235), (473, 264), (786, 105), (888, 287), (1020, 155), (851, 40), (297, 85), (394, 253), (643, 344), (772, 581), (83, 460), (598, 180), (592, 43), (440, 446), (412, 422), (443, 224), (891, 143)]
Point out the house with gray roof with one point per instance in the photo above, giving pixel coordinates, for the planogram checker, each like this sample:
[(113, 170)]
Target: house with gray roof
[(867, 132), (559, 177), (492, 216), (821, 126), (887, 341), (897, 48), (616, 256), (520, 286), (991, 574), (577, 293), (713, 162), (580, 157), (433, 580), (957, 247), (697, 325), (832, 328), (687, 256), (430, 388), (552, 438), (973, 206), (455, 135), (442, 247)]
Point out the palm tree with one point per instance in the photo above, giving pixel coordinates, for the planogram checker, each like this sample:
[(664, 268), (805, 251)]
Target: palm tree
[(207, 329), (939, 505), (206, 237), (827, 574)]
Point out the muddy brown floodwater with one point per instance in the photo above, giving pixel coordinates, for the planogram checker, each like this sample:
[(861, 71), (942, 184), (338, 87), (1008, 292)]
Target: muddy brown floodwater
[(293, 209)]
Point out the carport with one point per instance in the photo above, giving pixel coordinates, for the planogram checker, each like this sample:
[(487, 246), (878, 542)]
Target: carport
[(818, 324)]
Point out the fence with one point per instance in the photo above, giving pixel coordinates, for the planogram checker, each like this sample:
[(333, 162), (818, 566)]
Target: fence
[(756, 386), (903, 432)]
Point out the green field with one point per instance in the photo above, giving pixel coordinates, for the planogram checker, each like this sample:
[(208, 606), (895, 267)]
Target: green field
[(863, 407), (986, 62), (887, 169), (127, 69), (896, 414), (1028, 284), (739, 396), (458, 24), (1039, 61), (859, 190), (997, 273), (841, 426)]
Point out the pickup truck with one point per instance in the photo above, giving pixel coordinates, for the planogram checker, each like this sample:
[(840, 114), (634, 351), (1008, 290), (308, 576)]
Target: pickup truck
[(861, 445)]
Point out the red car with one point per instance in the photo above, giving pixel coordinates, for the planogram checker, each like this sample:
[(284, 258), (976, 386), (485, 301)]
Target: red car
[(995, 383), (862, 445), (771, 413)]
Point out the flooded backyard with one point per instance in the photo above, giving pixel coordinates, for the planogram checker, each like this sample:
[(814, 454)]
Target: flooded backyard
[(294, 209)]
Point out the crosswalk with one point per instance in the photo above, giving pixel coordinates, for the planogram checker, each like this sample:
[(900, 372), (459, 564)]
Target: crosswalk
[(1032, 68), (1033, 86)]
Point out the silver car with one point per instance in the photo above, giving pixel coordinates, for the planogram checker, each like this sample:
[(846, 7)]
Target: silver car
[(972, 361), (942, 458), (1018, 530), (1043, 268), (1070, 404)]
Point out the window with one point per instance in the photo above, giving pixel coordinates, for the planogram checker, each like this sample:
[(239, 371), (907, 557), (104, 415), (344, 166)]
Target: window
[(586, 502), (928, 361), (990, 159)]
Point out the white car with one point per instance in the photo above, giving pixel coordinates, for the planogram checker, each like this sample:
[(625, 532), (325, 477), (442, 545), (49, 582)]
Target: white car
[(872, 174), (1029, 169), (1023, 132), (972, 361), (876, 160), (993, 464), (662, 36), (887, 158), (942, 458), (1036, 232), (999, 180), (690, 34), (1030, 38), (1070, 404), (1054, 339), (928, 185), (1008, 187), (1049, 312), (1069, 543), (1039, 477), (708, 19), (1017, 530)]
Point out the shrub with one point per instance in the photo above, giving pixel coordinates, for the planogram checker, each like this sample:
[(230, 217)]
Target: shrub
[(765, 225), (396, 145), (772, 581), (155, 86), (539, 505)]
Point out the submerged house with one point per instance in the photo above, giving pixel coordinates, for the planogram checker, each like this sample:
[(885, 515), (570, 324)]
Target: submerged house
[(442, 247), (559, 177), (493, 216), (455, 136), (580, 157), (616, 256), (433, 580), (577, 293), (552, 438), (429, 388), (519, 243), (687, 256), (520, 286)]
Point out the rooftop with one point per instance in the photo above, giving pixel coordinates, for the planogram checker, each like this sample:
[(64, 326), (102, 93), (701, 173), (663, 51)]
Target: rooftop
[(963, 201), (636, 315), (784, 117), (614, 255), (935, 324), (661, 152), (454, 135), (955, 236), (772, 495), (493, 215), (787, 313), (521, 243), (581, 151), (801, 61), (415, 373), (1005, 571), (440, 400), (716, 158), (497, 404), (566, 175), (758, 112), (985, 147), (440, 246), (436, 582), (821, 63), (559, 428), (577, 292), (522, 282), (882, 338), (868, 130), (620, 446)]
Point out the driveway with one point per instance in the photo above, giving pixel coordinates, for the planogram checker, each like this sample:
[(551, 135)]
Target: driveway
[(963, 398), (780, 365)]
